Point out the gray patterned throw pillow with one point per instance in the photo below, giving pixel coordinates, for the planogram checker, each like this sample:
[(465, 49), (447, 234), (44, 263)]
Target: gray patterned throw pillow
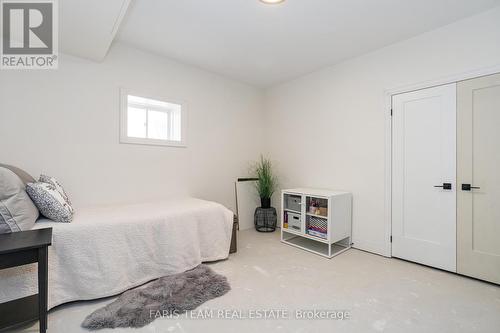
[(50, 202), (51, 180)]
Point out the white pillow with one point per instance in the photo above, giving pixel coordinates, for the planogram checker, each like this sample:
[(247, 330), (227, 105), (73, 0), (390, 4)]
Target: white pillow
[(50, 202)]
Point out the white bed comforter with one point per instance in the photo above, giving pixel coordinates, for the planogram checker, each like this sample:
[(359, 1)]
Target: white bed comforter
[(108, 250)]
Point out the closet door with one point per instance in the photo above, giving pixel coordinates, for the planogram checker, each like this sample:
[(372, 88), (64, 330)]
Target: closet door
[(423, 177), (478, 220)]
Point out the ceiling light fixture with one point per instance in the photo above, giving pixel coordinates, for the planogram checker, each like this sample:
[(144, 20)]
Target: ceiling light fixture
[(272, 2)]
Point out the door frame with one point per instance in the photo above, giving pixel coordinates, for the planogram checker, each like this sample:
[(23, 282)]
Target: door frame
[(387, 107)]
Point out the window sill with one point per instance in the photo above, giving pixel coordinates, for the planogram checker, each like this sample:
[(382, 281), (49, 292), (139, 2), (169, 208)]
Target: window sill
[(153, 142)]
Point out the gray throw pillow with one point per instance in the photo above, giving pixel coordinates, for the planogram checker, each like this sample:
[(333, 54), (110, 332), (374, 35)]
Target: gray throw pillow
[(25, 177), (51, 180), (50, 201), (17, 211)]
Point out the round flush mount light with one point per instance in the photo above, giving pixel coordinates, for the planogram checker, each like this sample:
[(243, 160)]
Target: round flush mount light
[(272, 2)]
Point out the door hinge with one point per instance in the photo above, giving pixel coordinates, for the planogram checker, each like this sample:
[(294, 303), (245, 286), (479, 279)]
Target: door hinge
[(391, 112), (391, 239)]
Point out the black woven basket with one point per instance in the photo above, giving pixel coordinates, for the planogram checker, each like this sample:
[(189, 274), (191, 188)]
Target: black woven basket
[(265, 219)]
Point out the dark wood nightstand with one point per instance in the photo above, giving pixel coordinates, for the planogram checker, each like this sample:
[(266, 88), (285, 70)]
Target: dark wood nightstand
[(21, 248)]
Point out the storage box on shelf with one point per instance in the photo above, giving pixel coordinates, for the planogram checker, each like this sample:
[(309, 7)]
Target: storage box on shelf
[(316, 220), (293, 203)]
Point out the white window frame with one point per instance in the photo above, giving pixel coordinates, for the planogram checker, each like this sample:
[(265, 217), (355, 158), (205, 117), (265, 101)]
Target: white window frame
[(124, 138)]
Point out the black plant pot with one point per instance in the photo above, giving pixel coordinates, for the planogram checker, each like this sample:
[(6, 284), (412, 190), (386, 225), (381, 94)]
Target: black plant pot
[(265, 202)]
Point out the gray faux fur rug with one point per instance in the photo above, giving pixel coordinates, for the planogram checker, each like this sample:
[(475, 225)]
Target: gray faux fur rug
[(171, 294)]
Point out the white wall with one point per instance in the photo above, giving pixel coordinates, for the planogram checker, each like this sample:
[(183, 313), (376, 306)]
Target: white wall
[(327, 129), (65, 123)]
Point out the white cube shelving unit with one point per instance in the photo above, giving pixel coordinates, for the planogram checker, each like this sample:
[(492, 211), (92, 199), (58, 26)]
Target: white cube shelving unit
[(325, 229)]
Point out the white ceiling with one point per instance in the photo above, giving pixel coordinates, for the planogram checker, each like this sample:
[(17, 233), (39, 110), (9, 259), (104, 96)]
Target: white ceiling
[(267, 44), (88, 27)]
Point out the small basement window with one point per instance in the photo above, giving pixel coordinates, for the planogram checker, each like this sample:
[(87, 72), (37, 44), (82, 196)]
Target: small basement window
[(152, 121)]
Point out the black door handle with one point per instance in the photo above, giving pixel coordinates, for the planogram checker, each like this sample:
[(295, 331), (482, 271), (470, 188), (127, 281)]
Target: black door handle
[(468, 187), (445, 186)]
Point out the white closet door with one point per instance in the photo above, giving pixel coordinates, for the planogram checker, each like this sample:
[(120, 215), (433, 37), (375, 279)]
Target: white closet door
[(478, 220), (424, 156)]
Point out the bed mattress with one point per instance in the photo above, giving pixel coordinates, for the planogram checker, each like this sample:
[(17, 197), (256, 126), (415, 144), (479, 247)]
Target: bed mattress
[(107, 250)]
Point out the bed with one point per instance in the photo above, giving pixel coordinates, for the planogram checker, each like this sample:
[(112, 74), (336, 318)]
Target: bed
[(108, 250)]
